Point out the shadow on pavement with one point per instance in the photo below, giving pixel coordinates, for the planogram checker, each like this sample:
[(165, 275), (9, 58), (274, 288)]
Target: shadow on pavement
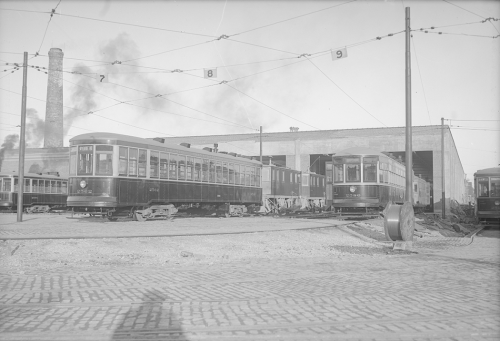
[(151, 319)]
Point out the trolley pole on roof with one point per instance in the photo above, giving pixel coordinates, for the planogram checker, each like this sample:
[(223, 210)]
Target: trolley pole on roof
[(408, 150), (22, 143), (260, 144)]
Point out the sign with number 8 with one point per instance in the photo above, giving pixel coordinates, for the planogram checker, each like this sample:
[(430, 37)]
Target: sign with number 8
[(338, 54), (210, 73)]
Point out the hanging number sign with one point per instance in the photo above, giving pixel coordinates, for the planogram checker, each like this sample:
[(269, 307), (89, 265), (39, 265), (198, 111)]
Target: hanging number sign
[(338, 54), (210, 73), (101, 78)]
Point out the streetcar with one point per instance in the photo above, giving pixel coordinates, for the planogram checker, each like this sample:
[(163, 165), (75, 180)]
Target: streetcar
[(116, 175), (41, 192), (487, 194), (365, 181)]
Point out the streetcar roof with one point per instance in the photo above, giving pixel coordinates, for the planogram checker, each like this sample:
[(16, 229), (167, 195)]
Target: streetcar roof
[(495, 171), (139, 142)]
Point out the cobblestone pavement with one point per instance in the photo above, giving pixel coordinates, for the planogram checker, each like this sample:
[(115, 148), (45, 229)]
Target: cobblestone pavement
[(402, 297)]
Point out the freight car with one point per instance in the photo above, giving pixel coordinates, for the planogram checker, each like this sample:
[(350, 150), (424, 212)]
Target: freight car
[(114, 175), (366, 180), (487, 194), (41, 192)]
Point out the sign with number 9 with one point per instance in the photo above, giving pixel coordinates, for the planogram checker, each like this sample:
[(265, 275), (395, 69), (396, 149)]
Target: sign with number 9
[(338, 54)]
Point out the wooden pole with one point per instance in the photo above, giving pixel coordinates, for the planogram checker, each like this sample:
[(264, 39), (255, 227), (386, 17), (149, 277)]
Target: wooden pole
[(22, 143), (408, 145)]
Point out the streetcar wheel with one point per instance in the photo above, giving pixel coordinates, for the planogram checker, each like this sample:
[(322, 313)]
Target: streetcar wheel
[(112, 218), (140, 217)]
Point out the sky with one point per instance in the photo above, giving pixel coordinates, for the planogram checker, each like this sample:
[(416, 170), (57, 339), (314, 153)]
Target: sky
[(273, 62)]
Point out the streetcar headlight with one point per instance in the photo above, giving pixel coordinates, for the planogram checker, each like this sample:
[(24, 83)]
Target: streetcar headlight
[(83, 184), (352, 189)]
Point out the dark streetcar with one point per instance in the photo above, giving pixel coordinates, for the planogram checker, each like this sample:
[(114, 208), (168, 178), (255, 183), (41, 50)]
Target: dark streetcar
[(366, 180), (113, 174), (487, 193), (41, 192)]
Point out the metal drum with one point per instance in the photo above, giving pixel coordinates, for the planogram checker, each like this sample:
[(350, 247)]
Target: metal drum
[(399, 222)]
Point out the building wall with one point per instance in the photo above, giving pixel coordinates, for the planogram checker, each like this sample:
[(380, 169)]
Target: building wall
[(38, 160)]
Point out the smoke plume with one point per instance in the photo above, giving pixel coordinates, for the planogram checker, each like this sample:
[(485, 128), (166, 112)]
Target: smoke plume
[(9, 143), (35, 128)]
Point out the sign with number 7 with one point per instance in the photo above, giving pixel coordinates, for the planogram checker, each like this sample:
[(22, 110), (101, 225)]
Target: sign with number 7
[(210, 73), (337, 54)]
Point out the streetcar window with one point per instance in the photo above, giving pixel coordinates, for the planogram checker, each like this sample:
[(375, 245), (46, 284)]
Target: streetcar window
[(164, 165), (237, 174), (190, 168), (258, 177), (197, 169), (27, 186), (495, 187), (305, 180), (248, 176), (41, 186), (34, 185), (72, 160), (132, 162), (291, 177), (172, 168), (143, 159), (64, 187), (243, 175), (231, 173), (369, 172), (218, 171), (252, 176), (352, 172), (329, 171), (153, 164), (212, 170), (483, 189), (205, 171), (181, 162), (104, 160), (47, 186), (338, 173), (6, 185), (85, 158), (16, 188), (225, 173), (123, 163), (58, 186)]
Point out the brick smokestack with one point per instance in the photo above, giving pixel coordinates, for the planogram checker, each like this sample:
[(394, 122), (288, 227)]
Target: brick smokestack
[(53, 136)]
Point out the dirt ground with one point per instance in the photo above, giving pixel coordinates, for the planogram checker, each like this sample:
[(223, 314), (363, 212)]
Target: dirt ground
[(337, 242)]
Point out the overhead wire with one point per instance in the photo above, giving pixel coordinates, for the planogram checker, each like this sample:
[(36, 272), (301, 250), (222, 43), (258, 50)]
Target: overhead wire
[(421, 81), (345, 93), (46, 28), (471, 13)]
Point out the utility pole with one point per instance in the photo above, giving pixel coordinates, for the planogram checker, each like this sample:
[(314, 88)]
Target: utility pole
[(443, 201), (408, 150), (260, 144), (22, 143)]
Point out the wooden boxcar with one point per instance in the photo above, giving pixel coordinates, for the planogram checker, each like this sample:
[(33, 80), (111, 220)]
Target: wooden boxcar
[(487, 193), (113, 174), (41, 192)]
